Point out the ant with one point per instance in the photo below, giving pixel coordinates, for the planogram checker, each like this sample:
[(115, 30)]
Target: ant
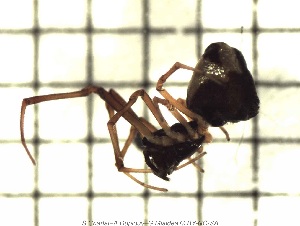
[(221, 90)]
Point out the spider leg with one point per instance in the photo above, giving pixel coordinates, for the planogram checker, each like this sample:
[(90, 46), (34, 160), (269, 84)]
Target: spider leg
[(225, 132), (193, 160), (111, 98), (119, 155), (180, 104), (181, 101), (114, 102), (192, 133), (175, 103), (44, 98), (183, 121), (171, 135)]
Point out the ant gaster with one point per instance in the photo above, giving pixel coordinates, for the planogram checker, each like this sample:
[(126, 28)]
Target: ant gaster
[(221, 90)]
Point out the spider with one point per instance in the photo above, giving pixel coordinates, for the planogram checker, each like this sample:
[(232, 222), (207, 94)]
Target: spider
[(221, 90)]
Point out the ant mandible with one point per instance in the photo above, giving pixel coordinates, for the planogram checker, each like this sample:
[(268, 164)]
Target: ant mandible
[(221, 90)]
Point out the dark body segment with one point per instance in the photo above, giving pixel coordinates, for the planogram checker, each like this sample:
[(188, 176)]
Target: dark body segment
[(224, 90), (163, 160)]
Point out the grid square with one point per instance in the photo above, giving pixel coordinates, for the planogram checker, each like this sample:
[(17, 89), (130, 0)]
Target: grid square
[(62, 119), (278, 164), (275, 61), (228, 211), (22, 206), (278, 118), (16, 14), (62, 211), (279, 210), (117, 58), (120, 210), (17, 52), (10, 113), (166, 50), (228, 167), (162, 13), (62, 14), (63, 168), (101, 118), (107, 179), (16, 173), (182, 210), (269, 14), (62, 58), (226, 14), (181, 181), (115, 14)]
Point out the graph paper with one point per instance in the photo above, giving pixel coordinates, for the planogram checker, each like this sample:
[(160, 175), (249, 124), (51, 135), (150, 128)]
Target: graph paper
[(61, 46)]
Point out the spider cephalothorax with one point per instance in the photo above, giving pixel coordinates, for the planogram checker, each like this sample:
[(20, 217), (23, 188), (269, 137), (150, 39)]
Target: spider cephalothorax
[(164, 160)]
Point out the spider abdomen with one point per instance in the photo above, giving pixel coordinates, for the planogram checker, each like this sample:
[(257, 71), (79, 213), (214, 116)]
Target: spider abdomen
[(223, 89)]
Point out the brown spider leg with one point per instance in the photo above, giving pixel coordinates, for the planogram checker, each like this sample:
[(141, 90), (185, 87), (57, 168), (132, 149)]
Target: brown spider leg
[(132, 134), (180, 104), (192, 133), (181, 101), (171, 135), (167, 96), (184, 122), (200, 150), (151, 127), (119, 155), (225, 132), (193, 160), (39, 99), (109, 98), (114, 102), (120, 100)]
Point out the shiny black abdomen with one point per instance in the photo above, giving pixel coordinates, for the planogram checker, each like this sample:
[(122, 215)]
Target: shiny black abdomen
[(231, 95)]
